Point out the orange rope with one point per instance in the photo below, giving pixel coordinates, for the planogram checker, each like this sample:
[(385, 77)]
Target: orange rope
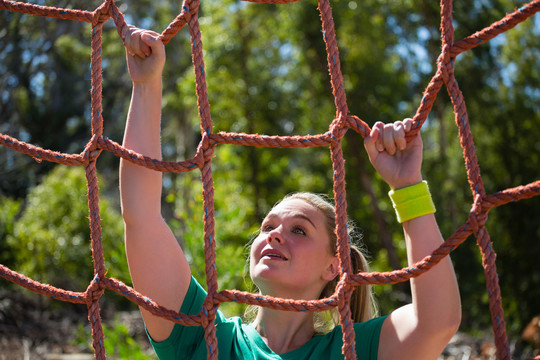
[(475, 225)]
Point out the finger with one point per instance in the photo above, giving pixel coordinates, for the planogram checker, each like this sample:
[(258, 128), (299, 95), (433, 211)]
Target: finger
[(151, 43), (143, 46), (124, 33), (379, 127), (408, 123), (127, 36), (399, 135), (132, 41), (146, 39), (372, 137), (388, 139), (371, 140), (136, 43)]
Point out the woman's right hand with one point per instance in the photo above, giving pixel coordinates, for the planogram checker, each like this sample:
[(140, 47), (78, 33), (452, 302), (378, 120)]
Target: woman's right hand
[(145, 54), (397, 161)]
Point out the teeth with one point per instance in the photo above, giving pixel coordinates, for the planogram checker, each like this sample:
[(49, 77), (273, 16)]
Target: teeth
[(276, 256)]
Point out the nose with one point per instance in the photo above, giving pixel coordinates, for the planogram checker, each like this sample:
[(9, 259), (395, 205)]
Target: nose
[(274, 235)]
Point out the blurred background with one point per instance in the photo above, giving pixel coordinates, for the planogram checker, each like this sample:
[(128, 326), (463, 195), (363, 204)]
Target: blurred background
[(267, 73)]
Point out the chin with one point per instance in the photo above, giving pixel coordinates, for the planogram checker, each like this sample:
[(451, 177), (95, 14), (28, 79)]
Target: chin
[(267, 279)]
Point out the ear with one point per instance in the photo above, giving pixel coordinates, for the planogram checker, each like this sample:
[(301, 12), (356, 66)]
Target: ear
[(332, 269)]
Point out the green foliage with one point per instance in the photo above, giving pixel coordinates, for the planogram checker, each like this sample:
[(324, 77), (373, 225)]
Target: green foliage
[(232, 233), (51, 240), (119, 343), (9, 208)]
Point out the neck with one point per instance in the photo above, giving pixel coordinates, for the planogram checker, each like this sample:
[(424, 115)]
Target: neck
[(284, 331)]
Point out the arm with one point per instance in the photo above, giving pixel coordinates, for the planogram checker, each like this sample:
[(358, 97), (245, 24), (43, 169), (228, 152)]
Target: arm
[(156, 262), (420, 330)]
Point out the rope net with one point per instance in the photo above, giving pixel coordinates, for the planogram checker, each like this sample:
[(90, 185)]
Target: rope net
[(475, 225)]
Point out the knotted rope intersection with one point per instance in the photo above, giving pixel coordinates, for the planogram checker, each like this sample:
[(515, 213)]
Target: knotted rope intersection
[(475, 225)]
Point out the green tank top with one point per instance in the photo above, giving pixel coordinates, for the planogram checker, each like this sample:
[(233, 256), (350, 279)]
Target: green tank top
[(237, 340)]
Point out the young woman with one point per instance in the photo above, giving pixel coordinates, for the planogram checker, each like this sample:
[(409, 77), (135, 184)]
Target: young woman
[(292, 257)]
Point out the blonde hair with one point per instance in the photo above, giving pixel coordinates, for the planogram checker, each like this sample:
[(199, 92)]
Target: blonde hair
[(362, 303)]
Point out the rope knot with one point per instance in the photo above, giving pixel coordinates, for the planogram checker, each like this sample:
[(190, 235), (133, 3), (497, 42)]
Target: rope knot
[(205, 150), (344, 290), (446, 63), (94, 291), (102, 13), (336, 130), (477, 217), (208, 312), (338, 127), (92, 151)]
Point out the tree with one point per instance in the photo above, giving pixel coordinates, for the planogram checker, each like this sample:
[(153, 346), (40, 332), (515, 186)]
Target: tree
[(51, 239)]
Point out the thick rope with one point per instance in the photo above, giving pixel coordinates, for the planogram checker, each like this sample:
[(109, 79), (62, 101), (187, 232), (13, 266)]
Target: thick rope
[(444, 75)]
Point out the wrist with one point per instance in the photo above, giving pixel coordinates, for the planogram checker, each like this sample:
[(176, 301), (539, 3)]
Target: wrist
[(148, 91), (148, 83), (406, 183), (412, 201)]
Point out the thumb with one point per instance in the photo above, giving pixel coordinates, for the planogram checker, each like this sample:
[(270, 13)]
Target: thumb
[(152, 43)]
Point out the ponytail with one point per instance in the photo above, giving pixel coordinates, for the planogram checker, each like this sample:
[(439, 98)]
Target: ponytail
[(362, 302)]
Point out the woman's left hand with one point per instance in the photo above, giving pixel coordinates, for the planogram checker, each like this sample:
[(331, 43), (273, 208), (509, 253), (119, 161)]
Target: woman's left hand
[(145, 54), (397, 161)]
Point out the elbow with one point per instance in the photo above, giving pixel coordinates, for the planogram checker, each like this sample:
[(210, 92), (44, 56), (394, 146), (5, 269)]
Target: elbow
[(453, 316), (437, 334), (442, 323), (445, 326), (445, 315), (452, 324), (449, 328)]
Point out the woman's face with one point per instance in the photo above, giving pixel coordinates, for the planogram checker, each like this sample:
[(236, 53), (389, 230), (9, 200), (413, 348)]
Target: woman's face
[(291, 256)]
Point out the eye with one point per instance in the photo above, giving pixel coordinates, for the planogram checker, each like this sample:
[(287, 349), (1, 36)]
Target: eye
[(299, 230), (266, 228)]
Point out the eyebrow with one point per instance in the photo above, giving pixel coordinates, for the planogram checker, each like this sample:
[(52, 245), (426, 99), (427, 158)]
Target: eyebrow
[(294, 215)]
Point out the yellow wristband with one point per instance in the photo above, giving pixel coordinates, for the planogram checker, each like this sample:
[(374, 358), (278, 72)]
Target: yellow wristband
[(412, 201)]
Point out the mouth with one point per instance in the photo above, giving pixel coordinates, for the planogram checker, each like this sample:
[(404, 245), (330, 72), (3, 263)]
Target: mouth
[(273, 255)]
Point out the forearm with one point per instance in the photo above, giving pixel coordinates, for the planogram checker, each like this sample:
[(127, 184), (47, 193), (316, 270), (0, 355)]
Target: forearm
[(140, 188), (422, 329), (435, 293)]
